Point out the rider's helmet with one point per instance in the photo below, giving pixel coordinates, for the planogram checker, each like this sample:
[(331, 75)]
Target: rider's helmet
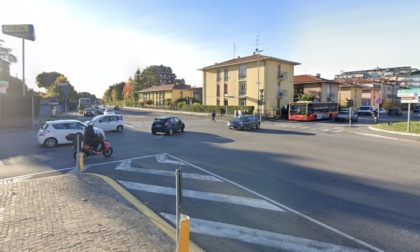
[(90, 124)]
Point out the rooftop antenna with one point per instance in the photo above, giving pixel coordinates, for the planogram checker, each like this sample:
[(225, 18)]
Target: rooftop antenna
[(256, 50), (234, 50)]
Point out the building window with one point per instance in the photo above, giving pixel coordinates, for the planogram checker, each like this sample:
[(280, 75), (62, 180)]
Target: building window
[(242, 88), (226, 76), (219, 75), (242, 71), (225, 89), (242, 102), (218, 91)]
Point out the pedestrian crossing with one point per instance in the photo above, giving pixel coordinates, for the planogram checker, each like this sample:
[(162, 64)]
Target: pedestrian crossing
[(218, 191), (311, 127), (134, 125), (283, 125)]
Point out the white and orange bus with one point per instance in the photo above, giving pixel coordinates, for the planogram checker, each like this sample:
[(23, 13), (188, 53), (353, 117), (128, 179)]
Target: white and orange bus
[(312, 110)]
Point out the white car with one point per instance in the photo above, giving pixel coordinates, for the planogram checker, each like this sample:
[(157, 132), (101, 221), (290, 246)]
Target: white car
[(106, 122), (109, 111), (382, 111), (53, 133)]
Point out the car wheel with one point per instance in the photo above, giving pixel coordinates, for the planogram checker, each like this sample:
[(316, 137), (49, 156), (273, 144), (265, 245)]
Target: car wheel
[(120, 128), (258, 126), (50, 142), (154, 132), (182, 129), (170, 132)]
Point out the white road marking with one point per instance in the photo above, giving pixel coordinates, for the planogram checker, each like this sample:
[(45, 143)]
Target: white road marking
[(259, 237), (163, 158), (167, 173), (237, 200), (287, 208)]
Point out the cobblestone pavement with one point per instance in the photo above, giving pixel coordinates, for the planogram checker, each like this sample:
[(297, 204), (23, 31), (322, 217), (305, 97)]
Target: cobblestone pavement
[(76, 213)]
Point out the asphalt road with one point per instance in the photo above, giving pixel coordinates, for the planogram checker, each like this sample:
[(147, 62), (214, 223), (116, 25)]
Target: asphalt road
[(289, 186)]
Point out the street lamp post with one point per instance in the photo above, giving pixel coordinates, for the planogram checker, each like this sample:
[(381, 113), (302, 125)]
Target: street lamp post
[(258, 83)]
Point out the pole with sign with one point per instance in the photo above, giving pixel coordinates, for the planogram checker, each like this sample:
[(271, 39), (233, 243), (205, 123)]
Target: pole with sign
[(26, 31), (409, 96)]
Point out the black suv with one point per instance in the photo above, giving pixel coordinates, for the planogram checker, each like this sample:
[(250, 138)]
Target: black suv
[(167, 124)]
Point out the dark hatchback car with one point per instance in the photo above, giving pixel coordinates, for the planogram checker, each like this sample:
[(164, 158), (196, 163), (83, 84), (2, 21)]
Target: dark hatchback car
[(395, 111), (88, 112), (167, 125), (244, 122)]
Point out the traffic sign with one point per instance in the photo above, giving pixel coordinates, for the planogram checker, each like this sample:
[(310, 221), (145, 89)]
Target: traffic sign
[(379, 101), (4, 84), (25, 31)]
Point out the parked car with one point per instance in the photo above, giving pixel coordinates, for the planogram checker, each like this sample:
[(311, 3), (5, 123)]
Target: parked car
[(416, 109), (53, 133), (244, 122), (88, 112), (108, 122), (382, 111), (395, 111), (343, 116), (365, 110), (116, 107), (167, 125)]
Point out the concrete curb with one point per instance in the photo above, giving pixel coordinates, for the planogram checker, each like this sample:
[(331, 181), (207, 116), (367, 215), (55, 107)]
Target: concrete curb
[(156, 219), (394, 132)]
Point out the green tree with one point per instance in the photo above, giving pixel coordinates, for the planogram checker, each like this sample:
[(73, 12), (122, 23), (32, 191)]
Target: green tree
[(168, 102), (46, 80), (136, 84), (117, 91), (307, 97), (6, 58)]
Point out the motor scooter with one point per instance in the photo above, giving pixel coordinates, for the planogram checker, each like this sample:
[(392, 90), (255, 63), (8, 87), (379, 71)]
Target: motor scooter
[(105, 146), (375, 116)]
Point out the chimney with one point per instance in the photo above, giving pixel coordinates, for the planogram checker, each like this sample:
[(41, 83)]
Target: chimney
[(318, 75)]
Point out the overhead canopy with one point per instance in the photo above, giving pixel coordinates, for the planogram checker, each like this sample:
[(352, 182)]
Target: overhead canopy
[(24, 31)]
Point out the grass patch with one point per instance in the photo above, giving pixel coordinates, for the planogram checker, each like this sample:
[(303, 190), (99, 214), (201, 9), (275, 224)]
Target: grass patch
[(400, 126)]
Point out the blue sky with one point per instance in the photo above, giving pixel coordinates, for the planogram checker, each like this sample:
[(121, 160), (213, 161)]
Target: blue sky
[(99, 43)]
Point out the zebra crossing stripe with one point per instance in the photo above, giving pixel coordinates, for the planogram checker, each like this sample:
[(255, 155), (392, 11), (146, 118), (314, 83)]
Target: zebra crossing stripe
[(169, 173), (237, 200), (258, 237)]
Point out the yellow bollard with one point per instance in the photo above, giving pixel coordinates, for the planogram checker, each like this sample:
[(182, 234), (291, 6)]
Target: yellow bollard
[(184, 234), (81, 161)]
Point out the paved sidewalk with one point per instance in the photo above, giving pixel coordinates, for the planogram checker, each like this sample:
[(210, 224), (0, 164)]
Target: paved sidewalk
[(89, 213)]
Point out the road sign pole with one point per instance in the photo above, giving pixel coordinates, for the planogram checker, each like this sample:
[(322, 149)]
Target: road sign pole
[(23, 66)]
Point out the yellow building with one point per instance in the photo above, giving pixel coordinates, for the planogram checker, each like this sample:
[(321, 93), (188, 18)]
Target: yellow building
[(158, 94), (244, 80), (350, 91)]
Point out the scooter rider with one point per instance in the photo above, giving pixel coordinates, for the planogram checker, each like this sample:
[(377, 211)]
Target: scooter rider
[(91, 138), (375, 116)]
